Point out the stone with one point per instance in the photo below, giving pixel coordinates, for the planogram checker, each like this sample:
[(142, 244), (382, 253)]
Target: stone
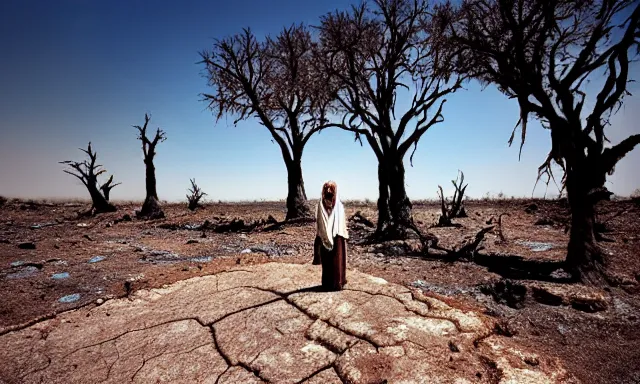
[(96, 259), (60, 276), (27, 245), (270, 323), (579, 297)]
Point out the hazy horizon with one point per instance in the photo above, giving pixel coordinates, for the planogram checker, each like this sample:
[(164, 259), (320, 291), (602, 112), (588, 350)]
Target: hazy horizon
[(74, 72)]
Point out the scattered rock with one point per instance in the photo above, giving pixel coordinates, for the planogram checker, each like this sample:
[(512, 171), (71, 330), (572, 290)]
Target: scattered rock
[(126, 217), (544, 221), (60, 276), (246, 251), (161, 257), (82, 225), (358, 217), (87, 237), (96, 259), (192, 241), (269, 250), (393, 248), (99, 301), (560, 274), (201, 259), (22, 272), (69, 298), (506, 292), (588, 304), (579, 297), (44, 225), (27, 245), (536, 246), (108, 225), (531, 208)]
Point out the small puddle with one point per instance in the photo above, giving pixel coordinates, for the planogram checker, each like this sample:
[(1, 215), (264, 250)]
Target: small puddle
[(536, 246), (96, 259), (60, 276), (70, 298)]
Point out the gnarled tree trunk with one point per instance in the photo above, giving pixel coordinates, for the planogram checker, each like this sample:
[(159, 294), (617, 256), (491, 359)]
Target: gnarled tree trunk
[(584, 257), (384, 214), (151, 208), (88, 172), (399, 202), (394, 207), (297, 205), (100, 203)]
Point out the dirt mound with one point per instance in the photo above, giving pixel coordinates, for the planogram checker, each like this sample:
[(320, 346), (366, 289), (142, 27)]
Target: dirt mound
[(271, 323)]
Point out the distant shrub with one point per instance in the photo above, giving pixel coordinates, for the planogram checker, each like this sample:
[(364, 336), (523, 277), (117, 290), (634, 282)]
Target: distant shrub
[(3, 201), (195, 195), (635, 194)]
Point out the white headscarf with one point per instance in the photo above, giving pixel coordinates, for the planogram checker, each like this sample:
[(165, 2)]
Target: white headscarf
[(331, 225)]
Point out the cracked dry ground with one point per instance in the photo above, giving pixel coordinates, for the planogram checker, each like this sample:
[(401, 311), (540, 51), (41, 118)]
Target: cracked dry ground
[(271, 323)]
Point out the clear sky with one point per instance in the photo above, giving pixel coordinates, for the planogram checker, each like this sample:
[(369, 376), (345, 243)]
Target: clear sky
[(73, 71)]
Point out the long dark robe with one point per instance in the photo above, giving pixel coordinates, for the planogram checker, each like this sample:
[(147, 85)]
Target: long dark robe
[(334, 263)]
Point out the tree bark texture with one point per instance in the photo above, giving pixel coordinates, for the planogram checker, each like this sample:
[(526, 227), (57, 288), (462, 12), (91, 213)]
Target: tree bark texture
[(297, 205), (584, 257)]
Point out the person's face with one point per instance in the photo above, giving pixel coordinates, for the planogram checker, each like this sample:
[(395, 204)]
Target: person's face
[(329, 194)]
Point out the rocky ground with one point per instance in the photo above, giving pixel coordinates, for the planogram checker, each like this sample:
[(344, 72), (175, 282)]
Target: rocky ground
[(53, 261)]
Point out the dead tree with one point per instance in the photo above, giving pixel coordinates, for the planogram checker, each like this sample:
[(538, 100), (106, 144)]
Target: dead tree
[(276, 82), (88, 171), (107, 187), (455, 208), (151, 207), (542, 53), (373, 52), (195, 195)]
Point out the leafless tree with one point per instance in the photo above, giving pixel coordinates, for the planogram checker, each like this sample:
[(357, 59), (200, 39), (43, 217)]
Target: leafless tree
[(372, 53), (276, 82), (88, 171), (107, 187), (543, 53), (194, 196), (151, 207), (455, 208)]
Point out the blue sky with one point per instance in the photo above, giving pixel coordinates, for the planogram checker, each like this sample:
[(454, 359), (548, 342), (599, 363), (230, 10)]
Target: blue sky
[(76, 71)]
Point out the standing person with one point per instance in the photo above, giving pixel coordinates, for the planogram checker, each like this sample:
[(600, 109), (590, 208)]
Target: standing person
[(330, 246)]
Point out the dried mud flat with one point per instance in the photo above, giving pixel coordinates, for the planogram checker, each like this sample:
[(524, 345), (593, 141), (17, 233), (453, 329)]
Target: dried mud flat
[(270, 323), (104, 276)]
